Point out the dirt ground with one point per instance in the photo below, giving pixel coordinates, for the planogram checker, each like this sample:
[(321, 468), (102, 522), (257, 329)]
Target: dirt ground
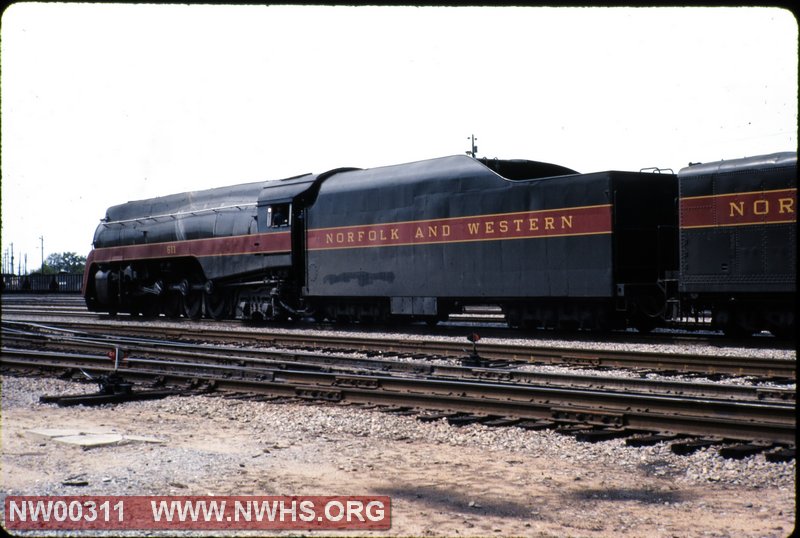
[(442, 480)]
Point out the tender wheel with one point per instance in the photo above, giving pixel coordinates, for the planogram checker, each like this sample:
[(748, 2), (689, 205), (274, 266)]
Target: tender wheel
[(784, 333), (736, 331), (644, 324), (433, 321)]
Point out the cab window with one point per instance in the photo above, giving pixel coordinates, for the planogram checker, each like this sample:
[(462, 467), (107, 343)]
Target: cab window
[(278, 216)]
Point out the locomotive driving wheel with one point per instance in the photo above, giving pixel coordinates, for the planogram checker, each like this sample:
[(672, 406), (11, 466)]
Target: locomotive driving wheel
[(217, 304), (192, 300), (193, 305), (172, 305)]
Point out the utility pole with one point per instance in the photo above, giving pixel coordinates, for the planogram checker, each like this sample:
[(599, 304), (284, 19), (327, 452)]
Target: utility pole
[(474, 151), (41, 240)]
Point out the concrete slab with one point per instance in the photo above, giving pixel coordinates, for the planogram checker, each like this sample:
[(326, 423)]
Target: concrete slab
[(90, 437), (143, 439), (90, 440), (50, 433)]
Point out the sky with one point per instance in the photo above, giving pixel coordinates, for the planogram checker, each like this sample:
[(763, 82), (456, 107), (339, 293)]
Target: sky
[(105, 103)]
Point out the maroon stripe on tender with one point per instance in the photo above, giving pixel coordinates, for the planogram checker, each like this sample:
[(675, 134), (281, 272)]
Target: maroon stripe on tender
[(522, 225), (738, 209)]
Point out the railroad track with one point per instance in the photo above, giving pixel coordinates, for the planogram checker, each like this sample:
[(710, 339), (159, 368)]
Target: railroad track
[(765, 368), (487, 318), (743, 415), (258, 357)]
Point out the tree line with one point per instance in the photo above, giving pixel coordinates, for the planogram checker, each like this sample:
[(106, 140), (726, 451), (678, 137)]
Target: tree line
[(67, 262)]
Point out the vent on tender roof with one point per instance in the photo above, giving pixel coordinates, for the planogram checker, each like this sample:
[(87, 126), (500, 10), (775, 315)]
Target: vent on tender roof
[(517, 169)]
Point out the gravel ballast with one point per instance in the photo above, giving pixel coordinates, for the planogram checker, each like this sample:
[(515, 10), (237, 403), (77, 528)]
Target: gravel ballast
[(443, 480)]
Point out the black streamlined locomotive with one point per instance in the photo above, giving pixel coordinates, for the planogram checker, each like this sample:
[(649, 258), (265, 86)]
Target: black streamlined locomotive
[(418, 241)]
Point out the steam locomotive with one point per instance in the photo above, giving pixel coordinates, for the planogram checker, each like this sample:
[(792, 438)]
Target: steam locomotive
[(419, 241)]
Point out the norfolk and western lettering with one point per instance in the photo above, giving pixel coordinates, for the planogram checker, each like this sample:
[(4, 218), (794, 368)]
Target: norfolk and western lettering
[(740, 209), (585, 220)]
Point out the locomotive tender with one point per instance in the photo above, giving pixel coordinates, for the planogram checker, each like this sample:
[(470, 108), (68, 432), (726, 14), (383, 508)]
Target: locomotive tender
[(552, 247), (738, 242)]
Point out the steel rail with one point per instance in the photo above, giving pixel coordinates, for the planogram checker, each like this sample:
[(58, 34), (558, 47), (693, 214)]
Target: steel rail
[(751, 421), (552, 355), (255, 357), (489, 318)]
